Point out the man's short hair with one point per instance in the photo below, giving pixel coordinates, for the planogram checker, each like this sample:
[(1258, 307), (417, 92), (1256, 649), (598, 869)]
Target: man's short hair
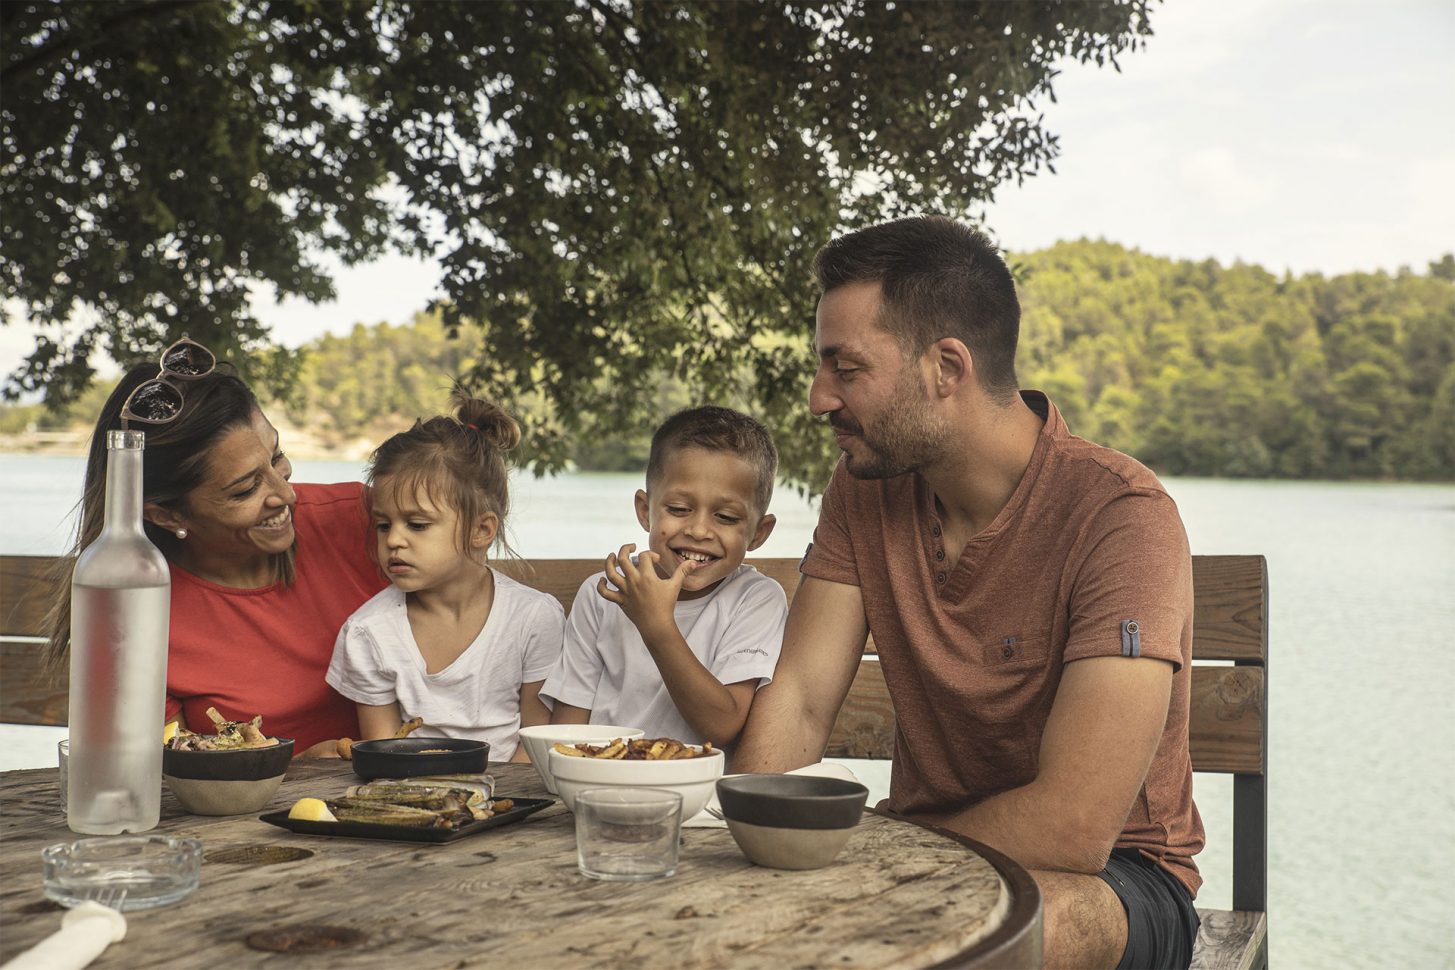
[(939, 279), (718, 429)]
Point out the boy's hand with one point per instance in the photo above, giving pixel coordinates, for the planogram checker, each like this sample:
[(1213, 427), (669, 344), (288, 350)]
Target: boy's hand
[(645, 597)]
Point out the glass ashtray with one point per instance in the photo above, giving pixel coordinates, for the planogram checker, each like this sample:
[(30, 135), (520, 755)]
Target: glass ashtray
[(125, 872)]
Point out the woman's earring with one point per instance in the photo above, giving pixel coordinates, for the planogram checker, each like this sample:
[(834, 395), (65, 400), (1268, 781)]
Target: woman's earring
[(181, 533)]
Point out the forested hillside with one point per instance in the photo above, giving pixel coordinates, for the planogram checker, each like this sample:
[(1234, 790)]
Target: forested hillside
[(1195, 368)]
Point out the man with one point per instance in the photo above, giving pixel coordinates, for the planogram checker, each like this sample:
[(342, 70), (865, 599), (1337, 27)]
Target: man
[(1030, 595)]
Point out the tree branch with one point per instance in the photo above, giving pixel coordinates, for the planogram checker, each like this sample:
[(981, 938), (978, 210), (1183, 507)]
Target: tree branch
[(102, 32)]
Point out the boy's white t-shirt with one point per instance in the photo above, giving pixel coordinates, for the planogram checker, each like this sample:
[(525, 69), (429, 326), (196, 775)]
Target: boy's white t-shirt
[(376, 661), (736, 631)]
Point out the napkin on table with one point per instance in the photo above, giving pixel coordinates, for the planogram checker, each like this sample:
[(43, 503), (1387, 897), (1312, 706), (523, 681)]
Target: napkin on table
[(86, 931)]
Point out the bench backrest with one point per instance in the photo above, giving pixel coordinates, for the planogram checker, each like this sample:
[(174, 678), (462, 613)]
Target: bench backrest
[(1228, 731)]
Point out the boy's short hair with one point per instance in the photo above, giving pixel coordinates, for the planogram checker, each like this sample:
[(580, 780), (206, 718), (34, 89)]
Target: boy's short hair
[(718, 429)]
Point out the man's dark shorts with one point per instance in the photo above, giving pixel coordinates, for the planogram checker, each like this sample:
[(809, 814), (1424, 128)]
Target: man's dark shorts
[(1161, 920)]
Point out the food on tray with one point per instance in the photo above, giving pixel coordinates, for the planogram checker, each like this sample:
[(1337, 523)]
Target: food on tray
[(442, 801), (230, 736), (345, 746), (637, 749), (311, 810)]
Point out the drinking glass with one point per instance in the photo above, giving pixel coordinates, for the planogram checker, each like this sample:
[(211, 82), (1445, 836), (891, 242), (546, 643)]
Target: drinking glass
[(63, 763), (627, 834)]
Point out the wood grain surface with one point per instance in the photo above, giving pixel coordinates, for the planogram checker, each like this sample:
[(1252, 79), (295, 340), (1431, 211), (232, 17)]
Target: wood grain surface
[(899, 896), (1229, 940)]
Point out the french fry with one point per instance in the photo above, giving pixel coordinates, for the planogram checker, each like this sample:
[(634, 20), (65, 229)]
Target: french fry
[(409, 726), (637, 749)]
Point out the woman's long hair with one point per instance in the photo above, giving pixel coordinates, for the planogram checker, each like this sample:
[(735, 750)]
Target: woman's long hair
[(173, 464)]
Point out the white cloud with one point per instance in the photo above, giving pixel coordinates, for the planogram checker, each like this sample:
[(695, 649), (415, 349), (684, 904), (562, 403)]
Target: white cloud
[(1224, 179)]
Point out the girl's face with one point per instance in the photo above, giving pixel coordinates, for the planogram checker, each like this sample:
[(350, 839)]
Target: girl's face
[(418, 539), (242, 512)]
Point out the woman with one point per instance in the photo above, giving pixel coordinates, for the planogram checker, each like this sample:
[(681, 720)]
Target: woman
[(263, 572)]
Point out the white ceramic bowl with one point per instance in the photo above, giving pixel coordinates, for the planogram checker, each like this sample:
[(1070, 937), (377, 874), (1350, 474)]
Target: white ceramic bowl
[(692, 778), (539, 738)]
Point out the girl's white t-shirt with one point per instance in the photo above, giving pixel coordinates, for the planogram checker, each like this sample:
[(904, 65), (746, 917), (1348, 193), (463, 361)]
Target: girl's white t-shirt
[(736, 632), (376, 661)]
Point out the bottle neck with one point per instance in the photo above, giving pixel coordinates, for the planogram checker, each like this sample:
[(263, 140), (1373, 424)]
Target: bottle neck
[(123, 482)]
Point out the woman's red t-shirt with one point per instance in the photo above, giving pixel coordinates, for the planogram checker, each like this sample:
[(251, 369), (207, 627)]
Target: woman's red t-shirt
[(265, 651)]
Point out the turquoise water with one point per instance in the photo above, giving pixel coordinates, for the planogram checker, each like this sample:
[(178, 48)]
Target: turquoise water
[(1362, 759)]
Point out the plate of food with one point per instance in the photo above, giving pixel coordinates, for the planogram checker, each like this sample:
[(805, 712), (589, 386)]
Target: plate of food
[(406, 811)]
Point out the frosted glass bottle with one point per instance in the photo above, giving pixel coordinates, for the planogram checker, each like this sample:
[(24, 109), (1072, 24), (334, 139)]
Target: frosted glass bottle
[(121, 595)]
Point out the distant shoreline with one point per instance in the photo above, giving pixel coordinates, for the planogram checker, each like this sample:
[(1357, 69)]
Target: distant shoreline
[(304, 446), (299, 443)]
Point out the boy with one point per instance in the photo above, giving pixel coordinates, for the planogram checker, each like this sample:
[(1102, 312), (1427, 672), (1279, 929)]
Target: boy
[(676, 640)]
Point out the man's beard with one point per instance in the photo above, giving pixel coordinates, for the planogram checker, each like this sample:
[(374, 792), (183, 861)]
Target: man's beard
[(903, 439)]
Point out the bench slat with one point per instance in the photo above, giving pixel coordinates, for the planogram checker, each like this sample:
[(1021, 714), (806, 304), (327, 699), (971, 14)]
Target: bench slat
[(1227, 611), (1225, 720), (24, 594), (1229, 596), (1225, 730), (26, 694), (1229, 940)]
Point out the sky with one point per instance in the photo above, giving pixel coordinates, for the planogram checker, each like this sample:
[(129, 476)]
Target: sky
[(1301, 135)]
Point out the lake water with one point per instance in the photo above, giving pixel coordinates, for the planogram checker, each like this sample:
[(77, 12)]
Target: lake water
[(1362, 631)]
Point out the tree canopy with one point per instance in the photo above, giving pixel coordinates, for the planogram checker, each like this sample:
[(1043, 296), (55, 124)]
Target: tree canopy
[(616, 190)]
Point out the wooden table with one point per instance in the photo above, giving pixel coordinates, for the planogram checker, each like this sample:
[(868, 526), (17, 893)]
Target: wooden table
[(899, 896)]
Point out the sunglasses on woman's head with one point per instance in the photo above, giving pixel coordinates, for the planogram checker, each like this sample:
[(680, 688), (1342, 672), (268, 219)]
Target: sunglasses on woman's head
[(158, 400)]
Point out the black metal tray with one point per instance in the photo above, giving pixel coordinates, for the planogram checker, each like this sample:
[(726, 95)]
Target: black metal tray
[(406, 833)]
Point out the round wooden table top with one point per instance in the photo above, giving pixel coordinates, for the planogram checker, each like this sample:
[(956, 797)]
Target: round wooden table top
[(898, 896)]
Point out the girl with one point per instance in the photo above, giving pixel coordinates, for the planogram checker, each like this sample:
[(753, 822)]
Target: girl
[(450, 640)]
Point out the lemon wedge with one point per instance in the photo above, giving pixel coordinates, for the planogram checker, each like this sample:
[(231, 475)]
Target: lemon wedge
[(169, 732), (311, 810)]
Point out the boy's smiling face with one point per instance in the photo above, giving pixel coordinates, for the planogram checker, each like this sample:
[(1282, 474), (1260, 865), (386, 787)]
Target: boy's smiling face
[(702, 507)]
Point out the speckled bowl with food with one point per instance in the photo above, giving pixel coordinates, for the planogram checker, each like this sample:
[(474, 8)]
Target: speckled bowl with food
[(539, 739), (692, 778), (233, 781)]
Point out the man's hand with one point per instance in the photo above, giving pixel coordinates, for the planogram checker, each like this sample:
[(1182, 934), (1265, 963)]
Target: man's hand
[(643, 595)]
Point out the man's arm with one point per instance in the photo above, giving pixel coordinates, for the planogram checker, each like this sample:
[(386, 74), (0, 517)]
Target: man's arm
[(1103, 730), (823, 642)]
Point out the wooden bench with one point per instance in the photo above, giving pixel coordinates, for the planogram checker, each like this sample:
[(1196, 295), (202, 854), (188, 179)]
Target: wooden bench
[(1228, 732)]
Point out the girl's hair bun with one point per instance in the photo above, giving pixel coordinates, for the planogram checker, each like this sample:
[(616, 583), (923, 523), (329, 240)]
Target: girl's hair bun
[(487, 419)]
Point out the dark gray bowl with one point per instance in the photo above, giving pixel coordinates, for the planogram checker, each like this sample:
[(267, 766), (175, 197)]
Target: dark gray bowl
[(243, 764), (237, 782), (792, 801), (404, 757)]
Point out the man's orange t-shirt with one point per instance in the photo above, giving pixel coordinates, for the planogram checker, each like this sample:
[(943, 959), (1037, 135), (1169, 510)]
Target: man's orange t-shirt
[(265, 651), (972, 656)]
